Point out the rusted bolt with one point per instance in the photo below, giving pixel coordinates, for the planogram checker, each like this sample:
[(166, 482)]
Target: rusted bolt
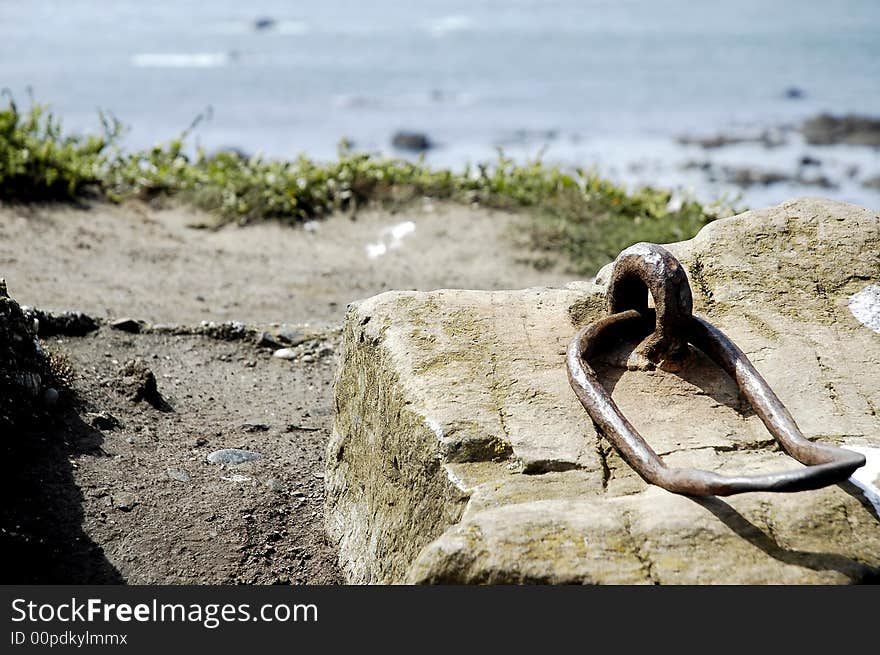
[(666, 331)]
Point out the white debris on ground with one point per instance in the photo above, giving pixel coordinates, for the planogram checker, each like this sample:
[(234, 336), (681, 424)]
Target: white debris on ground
[(866, 476), (865, 306), (236, 478), (181, 60), (390, 238)]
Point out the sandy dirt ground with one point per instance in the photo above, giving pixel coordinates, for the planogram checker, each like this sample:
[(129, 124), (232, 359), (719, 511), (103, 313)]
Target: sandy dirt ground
[(112, 490)]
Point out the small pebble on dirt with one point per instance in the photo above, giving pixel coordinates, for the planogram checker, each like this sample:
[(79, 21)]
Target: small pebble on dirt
[(291, 336), (236, 478), (285, 353), (232, 456), (137, 382), (274, 485), (179, 474), (124, 501), (102, 420), (126, 325), (254, 426), (267, 340), (50, 397)]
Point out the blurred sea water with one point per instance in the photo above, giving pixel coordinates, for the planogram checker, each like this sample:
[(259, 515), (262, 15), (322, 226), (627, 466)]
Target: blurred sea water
[(610, 84)]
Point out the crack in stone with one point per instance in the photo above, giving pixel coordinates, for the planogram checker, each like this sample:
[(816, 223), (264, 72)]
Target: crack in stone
[(849, 522), (636, 549), (603, 461), (766, 509), (853, 376), (505, 448), (748, 446), (826, 374)]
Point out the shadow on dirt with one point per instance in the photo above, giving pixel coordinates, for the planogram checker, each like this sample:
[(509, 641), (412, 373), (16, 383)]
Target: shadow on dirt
[(41, 512)]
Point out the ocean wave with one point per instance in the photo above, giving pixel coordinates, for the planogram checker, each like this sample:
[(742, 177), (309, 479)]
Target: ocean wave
[(449, 25), (292, 27), (416, 100), (181, 59)]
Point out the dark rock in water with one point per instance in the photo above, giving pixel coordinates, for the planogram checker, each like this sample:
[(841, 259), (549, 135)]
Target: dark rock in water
[(528, 136), (232, 456), (746, 176), (826, 129), (264, 23), (822, 181), (415, 141), (794, 93), (69, 324), (137, 382), (697, 165), (767, 138), (872, 183), (806, 160), (126, 325)]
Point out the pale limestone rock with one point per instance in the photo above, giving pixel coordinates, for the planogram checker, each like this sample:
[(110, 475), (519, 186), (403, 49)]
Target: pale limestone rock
[(460, 454)]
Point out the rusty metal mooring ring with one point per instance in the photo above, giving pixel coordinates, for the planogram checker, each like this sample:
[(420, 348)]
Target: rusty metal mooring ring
[(647, 267)]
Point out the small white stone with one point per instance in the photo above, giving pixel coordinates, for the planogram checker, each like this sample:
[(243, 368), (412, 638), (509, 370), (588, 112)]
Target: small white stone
[(236, 478), (865, 306), (232, 456), (865, 476)]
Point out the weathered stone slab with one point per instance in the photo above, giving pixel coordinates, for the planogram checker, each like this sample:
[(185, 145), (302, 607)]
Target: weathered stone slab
[(459, 452)]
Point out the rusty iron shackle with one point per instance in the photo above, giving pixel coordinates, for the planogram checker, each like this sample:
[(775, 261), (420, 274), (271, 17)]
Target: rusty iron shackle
[(648, 268)]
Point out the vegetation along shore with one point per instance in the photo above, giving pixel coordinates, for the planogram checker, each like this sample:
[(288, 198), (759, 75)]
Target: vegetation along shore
[(576, 214)]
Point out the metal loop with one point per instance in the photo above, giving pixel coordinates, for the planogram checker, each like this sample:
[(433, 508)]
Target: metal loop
[(648, 266)]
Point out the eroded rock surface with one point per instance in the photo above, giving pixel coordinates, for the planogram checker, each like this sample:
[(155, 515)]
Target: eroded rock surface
[(23, 365), (460, 454)]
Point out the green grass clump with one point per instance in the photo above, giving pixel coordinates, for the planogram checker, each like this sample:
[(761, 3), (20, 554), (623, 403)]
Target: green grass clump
[(593, 221), (39, 162), (577, 214)]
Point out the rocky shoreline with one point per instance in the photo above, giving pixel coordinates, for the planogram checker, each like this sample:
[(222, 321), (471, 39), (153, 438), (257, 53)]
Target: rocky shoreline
[(837, 155), (809, 169)]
